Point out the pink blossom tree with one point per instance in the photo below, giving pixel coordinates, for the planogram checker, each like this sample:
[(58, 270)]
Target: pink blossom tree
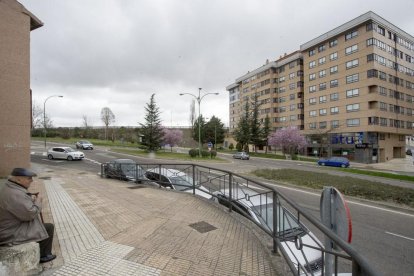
[(288, 139), (172, 137)]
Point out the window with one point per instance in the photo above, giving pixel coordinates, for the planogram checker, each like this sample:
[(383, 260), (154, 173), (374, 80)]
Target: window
[(312, 88), (334, 110), (291, 75), (322, 99), (383, 106), (333, 56), (334, 83), (352, 107), (334, 96), (291, 96), (322, 112), (292, 86), (352, 78), (352, 93), (292, 117), (351, 49), (351, 35), (334, 69), (322, 124), (352, 122), (333, 43), (321, 48), (312, 113), (322, 86), (311, 52), (312, 125), (292, 107), (334, 124), (312, 76), (322, 73), (312, 64), (322, 60), (352, 64), (312, 101)]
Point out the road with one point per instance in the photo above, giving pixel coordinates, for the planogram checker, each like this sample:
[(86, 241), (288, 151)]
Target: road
[(383, 235)]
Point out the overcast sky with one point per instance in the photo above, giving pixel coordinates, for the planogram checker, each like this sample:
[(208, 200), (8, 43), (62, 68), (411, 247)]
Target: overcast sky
[(116, 53)]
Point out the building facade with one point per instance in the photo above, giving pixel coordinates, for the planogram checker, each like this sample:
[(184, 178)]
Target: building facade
[(357, 91), (16, 23)]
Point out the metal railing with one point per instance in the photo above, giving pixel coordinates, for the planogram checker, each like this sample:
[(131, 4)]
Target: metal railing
[(285, 222)]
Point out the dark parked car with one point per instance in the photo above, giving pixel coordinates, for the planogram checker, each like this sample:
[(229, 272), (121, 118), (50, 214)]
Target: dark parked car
[(334, 162), (241, 155), (124, 169)]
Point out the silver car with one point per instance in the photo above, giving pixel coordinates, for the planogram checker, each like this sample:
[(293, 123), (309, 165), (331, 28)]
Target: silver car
[(84, 145), (64, 153), (241, 155)]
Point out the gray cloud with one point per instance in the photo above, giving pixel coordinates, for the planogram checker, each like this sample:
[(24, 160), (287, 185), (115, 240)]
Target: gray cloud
[(101, 53)]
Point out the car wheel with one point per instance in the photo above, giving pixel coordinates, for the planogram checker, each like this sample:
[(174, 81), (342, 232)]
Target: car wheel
[(70, 158), (343, 166), (322, 164), (50, 157)]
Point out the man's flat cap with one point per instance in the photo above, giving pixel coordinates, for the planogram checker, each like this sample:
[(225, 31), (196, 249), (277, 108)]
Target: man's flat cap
[(22, 172)]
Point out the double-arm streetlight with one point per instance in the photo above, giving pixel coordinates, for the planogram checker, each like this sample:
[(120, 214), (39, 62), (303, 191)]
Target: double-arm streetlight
[(44, 114), (199, 99)]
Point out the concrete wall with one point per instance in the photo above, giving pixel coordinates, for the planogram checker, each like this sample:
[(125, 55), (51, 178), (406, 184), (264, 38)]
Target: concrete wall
[(15, 97)]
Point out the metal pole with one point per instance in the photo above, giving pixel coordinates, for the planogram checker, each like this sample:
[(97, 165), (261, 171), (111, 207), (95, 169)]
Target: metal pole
[(44, 114), (199, 122)]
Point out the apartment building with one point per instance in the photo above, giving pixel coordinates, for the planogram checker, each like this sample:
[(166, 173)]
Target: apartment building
[(358, 91), (278, 87), (16, 23)]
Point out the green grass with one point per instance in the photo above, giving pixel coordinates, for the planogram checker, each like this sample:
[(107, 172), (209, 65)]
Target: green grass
[(167, 155), (96, 142), (347, 185)]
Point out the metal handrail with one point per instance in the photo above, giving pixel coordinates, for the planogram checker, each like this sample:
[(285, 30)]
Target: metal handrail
[(360, 265)]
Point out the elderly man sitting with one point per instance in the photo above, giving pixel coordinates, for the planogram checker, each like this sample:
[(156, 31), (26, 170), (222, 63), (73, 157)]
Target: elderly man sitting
[(20, 215)]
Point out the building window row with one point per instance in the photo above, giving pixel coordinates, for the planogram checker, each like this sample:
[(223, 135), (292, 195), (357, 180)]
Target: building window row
[(403, 42)]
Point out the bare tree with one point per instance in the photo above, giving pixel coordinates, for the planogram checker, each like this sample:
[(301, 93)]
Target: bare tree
[(37, 116), (192, 113), (85, 122), (108, 118)]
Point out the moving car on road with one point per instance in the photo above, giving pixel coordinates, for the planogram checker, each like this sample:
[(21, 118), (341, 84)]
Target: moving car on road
[(334, 162), (64, 153), (241, 155), (124, 169), (176, 180), (84, 145)]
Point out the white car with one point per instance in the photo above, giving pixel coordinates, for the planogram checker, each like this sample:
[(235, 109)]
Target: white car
[(176, 180), (64, 153), (259, 207), (84, 145)]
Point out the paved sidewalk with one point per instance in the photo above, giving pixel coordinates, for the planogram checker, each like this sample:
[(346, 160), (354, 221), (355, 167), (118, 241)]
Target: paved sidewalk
[(109, 227)]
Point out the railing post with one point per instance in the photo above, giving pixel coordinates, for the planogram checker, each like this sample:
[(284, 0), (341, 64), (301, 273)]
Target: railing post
[(194, 185), (275, 209), (230, 191)]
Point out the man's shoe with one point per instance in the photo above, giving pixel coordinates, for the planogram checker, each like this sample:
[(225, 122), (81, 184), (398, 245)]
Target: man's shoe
[(47, 258)]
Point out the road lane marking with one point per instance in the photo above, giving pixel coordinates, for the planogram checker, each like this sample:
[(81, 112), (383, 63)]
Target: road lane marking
[(349, 201), (400, 236)]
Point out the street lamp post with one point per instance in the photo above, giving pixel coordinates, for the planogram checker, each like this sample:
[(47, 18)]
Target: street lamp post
[(44, 114), (199, 99)]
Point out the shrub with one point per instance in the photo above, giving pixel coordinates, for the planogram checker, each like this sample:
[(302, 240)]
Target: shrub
[(213, 154), (239, 147), (231, 146), (205, 153), (193, 152)]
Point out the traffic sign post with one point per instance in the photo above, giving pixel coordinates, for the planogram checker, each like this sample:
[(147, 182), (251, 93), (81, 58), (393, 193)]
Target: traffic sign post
[(335, 215)]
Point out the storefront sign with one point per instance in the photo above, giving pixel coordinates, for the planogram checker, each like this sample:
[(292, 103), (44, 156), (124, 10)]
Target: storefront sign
[(348, 138)]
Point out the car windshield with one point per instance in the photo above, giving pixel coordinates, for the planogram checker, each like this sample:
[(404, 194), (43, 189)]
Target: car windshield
[(182, 183), (69, 150), (288, 227)]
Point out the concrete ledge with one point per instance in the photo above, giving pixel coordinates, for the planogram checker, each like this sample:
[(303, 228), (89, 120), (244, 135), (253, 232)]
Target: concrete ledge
[(20, 259)]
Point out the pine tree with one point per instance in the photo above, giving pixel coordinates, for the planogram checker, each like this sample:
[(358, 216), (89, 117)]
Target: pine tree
[(242, 132), (255, 129), (152, 131), (266, 131)]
